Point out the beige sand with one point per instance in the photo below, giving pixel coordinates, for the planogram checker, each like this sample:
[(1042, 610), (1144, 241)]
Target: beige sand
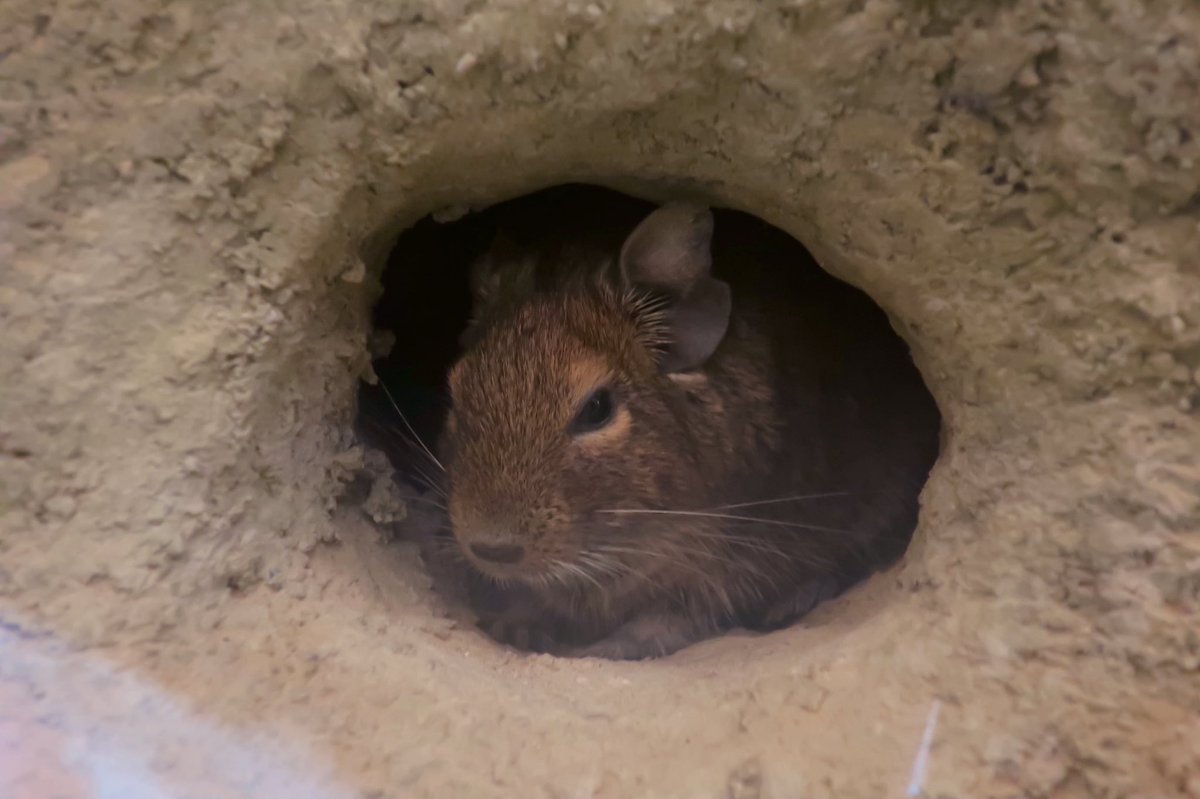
[(195, 198)]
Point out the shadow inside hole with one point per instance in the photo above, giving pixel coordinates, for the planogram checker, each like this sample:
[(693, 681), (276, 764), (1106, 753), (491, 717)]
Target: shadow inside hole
[(426, 305)]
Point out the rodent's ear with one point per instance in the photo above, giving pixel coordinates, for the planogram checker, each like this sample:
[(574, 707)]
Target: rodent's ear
[(697, 323), (502, 270), (670, 250), (670, 253)]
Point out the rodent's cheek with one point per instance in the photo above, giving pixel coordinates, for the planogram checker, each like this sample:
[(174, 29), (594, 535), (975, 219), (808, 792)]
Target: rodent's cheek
[(611, 435)]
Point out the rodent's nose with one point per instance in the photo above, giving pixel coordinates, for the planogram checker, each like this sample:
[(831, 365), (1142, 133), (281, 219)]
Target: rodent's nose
[(498, 553)]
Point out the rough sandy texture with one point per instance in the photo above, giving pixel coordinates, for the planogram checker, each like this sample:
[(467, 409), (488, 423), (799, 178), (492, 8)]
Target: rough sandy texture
[(194, 201)]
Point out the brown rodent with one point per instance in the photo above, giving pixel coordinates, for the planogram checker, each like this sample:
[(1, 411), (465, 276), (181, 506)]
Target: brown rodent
[(661, 434)]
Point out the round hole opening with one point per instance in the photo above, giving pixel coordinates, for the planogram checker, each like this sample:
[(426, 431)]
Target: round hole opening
[(667, 422)]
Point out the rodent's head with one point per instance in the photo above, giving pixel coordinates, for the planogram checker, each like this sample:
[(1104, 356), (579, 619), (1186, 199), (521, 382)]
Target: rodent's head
[(561, 408)]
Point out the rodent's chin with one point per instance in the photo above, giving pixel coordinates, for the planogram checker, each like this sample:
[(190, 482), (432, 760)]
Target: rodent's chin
[(509, 573)]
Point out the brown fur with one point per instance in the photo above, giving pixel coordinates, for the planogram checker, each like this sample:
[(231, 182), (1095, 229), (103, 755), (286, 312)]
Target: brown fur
[(807, 393)]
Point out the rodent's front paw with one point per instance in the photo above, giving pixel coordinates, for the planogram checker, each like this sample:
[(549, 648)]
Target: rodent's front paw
[(517, 617), (794, 605), (644, 637), (513, 615), (530, 635)]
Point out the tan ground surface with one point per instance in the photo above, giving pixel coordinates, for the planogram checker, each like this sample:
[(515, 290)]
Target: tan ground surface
[(194, 201)]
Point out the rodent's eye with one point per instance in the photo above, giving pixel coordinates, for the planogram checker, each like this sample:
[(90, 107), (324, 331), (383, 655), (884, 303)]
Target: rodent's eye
[(596, 412)]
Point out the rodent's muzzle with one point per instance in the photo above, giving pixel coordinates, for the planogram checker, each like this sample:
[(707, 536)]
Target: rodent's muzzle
[(498, 557), (494, 550), (498, 553)]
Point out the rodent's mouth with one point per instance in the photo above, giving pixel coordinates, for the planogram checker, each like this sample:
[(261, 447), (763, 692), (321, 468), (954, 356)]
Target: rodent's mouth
[(530, 572), (526, 571), (507, 573), (536, 566)]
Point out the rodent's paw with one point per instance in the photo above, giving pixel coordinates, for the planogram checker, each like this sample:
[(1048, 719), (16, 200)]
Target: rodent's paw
[(515, 615), (794, 605), (524, 634), (644, 637)]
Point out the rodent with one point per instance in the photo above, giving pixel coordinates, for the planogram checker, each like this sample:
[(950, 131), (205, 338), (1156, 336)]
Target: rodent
[(660, 433)]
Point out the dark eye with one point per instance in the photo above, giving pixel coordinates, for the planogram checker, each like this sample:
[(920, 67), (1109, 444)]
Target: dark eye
[(596, 412)]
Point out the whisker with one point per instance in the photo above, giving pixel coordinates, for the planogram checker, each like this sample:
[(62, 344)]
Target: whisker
[(425, 479), (795, 498), (402, 434), (761, 545), (611, 565), (425, 501), (601, 564), (726, 516), (673, 560), (404, 419), (716, 590), (572, 568), (420, 479), (430, 482), (728, 544)]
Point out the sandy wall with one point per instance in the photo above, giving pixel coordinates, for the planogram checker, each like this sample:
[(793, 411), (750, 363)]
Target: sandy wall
[(195, 200)]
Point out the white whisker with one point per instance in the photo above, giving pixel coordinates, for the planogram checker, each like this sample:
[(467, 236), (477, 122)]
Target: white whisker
[(428, 481), (404, 419), (575, 569), (426, 501), (796, 498), (725, 516)]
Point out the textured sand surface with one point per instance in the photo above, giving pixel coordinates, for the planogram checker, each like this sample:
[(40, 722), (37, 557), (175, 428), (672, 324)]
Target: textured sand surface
[(195, 201)]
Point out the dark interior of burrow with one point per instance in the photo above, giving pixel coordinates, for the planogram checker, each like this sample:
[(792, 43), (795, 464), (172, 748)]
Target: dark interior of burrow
[(426, 303)]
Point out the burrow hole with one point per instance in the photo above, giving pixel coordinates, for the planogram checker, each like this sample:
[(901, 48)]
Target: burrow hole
[(830, 498)]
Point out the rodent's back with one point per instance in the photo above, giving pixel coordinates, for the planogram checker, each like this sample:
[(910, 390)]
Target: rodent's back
[(855, 417)]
